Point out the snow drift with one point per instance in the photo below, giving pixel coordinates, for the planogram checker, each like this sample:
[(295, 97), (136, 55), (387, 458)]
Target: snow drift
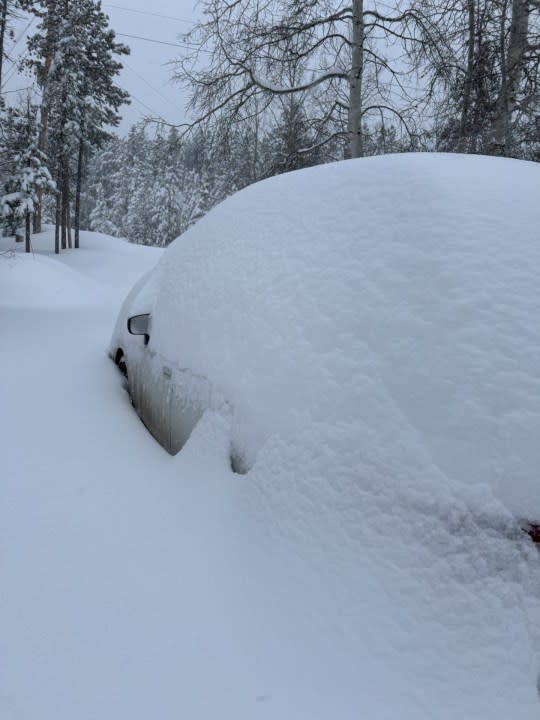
[(350, 573), (393, 299)]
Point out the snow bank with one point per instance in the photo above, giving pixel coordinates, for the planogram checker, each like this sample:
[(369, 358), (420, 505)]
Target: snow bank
[(374, 324), (392, 299), (346, 576), (73, 277), (34, 280)]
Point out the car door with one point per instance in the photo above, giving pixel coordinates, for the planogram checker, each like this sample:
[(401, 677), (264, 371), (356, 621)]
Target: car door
[(169, 400), (189, 397), (150, 388)]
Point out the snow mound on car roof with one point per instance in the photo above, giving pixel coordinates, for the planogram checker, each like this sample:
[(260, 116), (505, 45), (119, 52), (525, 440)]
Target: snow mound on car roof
[(391, 304)]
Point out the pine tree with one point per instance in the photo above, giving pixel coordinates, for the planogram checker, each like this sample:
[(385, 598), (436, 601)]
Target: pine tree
[(28, 176), (8, 12), (74, 56)]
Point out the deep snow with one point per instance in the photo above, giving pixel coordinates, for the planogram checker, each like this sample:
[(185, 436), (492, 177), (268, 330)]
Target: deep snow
[(396, 296), (324, 584)]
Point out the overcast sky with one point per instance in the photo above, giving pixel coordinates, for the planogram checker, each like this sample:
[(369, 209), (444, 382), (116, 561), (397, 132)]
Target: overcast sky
[(146, 75)]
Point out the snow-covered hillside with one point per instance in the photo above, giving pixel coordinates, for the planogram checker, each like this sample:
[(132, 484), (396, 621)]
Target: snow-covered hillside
[(325, 584)]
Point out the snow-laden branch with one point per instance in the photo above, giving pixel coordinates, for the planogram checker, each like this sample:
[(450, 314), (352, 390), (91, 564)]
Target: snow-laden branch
[(331, 74)]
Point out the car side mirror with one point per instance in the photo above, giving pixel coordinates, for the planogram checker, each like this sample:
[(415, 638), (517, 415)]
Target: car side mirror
[(140, 325)]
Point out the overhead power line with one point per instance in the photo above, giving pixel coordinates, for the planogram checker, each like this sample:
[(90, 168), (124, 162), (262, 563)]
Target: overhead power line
[(146, 12), (158, 42), (15, 68), (152, 87), (7, 92), (147, 107), (23, 33), (15, 64)]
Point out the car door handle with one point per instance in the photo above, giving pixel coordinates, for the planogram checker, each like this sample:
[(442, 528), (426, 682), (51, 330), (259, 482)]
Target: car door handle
[(167, 372)]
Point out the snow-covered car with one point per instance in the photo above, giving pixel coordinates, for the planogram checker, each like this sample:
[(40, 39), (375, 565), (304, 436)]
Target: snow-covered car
[(374, 303)]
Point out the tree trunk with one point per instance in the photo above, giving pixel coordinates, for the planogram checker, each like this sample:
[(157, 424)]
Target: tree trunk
[(512, 70), (3, 24), (356, 144), (78, 192), (58, 218), (65, 204), (68, 210), (68, 222), (255, 162), (464, 125), (28, 232), (63, 222), (44, 110), (42, 143)]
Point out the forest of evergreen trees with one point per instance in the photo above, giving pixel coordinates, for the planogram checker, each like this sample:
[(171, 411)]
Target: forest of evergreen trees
[(73, 58), (273, 88), (152, 185)]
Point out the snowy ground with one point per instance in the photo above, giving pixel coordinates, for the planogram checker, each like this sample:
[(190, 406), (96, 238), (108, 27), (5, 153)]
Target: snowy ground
[(137, 585)]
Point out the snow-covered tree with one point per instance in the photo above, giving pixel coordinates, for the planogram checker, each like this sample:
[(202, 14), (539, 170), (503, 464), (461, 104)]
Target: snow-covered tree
[(8, 14), (31, 176), (74, 54), (151, 189), (26, 176)]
